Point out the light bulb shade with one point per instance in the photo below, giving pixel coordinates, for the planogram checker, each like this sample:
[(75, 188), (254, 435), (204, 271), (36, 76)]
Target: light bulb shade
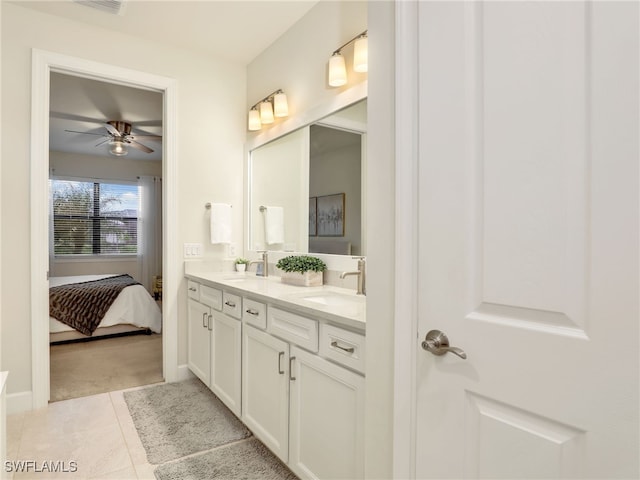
[(337, 70), (266, 112), (360, 55), (254, 120), (280, 106), (117, 148)]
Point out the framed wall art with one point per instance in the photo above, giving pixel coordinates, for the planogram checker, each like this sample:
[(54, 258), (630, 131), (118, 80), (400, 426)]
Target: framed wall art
[(330, 215)]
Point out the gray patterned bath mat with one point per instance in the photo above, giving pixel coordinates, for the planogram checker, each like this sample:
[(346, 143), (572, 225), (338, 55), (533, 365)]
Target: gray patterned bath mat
[(246, 460), (179, 419)]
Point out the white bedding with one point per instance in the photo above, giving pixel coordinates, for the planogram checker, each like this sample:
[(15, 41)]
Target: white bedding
[(133, 306)]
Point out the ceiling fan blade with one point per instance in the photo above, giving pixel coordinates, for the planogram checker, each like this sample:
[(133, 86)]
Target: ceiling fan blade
[(145, 137), (102, 142), (139, 146), (86, 133), (112, 130)]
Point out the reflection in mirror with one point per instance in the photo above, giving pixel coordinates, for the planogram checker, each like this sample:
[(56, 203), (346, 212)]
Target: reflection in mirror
[(334, 191), (305, 188)]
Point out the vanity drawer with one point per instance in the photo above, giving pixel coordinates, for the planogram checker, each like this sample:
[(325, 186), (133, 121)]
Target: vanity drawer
[(193, 290), (254, 313), (232, 305), (295, 328), (211, 296), (342, 346)]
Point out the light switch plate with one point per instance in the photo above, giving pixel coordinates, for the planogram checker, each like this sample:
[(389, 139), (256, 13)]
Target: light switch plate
[(192, 250)]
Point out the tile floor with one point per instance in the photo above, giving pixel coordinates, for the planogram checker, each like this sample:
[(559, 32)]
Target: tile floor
[(95, 432)]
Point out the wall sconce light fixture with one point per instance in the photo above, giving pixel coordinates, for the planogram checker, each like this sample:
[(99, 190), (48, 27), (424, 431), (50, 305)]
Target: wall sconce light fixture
[(337, 68), (264, 112)]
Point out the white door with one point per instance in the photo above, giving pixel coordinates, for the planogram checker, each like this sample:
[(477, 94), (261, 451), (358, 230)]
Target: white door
[(528, 239)]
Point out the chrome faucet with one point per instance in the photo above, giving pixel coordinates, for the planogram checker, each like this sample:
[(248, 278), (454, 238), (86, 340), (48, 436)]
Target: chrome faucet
[(360, 273), (263, 262)]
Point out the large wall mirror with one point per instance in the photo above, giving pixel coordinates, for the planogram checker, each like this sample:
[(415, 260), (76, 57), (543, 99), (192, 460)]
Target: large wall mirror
[(306, 190)]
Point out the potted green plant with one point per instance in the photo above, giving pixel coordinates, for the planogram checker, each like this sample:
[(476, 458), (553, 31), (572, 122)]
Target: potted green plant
[(241, 264), (302, 270)]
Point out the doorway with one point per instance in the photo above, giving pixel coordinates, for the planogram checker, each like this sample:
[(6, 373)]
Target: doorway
[(44, 63), (105, 144)]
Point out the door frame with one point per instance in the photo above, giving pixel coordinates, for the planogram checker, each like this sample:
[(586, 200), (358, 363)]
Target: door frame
[(43, 63), (406, 240)]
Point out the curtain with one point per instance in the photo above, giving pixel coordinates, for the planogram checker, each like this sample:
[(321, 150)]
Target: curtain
[(150, 230)]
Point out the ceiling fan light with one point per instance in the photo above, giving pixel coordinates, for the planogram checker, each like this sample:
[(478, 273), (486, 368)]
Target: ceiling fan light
[(117, 148), (266, 112), (280, 105), (360, 54), (337, 70)]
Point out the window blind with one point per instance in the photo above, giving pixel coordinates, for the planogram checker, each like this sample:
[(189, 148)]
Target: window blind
[(94, 217)]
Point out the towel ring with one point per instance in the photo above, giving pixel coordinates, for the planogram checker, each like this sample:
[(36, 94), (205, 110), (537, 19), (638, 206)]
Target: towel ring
[(208, 205)]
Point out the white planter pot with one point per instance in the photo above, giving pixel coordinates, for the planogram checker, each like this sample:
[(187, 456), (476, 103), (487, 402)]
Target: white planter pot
[(241, 267), (306, 279)]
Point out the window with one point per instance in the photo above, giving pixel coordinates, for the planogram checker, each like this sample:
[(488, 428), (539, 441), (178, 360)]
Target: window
[(94, 218)]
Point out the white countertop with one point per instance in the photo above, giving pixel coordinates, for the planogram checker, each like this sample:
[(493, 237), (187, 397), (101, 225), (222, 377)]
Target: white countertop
[(335, 304)]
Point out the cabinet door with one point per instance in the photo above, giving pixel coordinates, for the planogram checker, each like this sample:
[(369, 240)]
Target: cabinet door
[(225, 360), (198, 348), (327, 419), (265, 389)]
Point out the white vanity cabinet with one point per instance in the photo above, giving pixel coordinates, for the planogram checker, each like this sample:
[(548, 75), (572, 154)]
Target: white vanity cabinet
[(306, 409), (215, 343), (293, 375)]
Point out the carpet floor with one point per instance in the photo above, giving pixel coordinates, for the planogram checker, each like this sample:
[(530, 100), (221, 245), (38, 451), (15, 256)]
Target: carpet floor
[(187, 431), (104, 365)]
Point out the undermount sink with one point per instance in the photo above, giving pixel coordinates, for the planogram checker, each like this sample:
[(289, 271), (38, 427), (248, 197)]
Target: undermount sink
[(332, 299), (240, 278), (349, 305)]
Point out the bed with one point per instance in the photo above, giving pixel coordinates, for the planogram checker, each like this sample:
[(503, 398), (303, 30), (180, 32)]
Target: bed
[(133, 311)]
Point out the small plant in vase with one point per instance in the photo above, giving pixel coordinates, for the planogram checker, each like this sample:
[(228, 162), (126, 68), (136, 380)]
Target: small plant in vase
[(302, 270), (241, 264)]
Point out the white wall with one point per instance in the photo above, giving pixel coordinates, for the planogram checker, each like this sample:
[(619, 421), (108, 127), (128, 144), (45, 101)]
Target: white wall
[(211, 133), (298, 61)]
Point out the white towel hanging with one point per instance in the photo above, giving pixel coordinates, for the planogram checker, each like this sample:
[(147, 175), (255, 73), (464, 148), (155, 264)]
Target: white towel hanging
[(220, 223), (274, 225)]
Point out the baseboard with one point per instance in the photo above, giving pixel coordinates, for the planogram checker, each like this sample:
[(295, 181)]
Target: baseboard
[(184, 373), (19, 402)]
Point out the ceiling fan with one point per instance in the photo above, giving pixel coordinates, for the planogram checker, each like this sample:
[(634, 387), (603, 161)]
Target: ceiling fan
[(119, 136)]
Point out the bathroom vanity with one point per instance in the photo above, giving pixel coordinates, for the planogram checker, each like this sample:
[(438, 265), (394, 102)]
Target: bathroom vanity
[(288, 361)]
